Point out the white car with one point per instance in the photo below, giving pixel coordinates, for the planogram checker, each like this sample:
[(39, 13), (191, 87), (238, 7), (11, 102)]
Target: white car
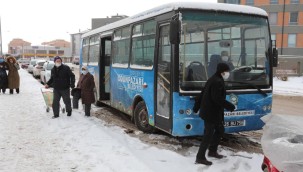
[(31, 65), (70, 65), (38, 68), (45, 74)]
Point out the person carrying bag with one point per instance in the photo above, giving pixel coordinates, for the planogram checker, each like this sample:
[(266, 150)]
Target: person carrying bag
[(85, 88)]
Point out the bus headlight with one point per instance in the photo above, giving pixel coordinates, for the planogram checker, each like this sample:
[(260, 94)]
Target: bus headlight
[(188, 111), (268, 107), (264, 108)]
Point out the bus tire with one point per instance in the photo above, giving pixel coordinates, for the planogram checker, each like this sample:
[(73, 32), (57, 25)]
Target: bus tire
[(141, 118)]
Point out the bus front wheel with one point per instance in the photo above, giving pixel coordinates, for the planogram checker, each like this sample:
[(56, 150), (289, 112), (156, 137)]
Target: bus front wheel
[(141, 118)]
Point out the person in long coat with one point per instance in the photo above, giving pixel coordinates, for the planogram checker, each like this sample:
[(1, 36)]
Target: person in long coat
[(211, 104), (13, 75), (85, 87), (3, 77)]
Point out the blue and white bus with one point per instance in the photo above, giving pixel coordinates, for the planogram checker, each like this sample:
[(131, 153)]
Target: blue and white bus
[(151, 66)]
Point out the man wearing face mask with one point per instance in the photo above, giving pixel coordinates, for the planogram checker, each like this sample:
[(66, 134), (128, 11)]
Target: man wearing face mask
[(62, 79), (86, 85), (211, 104), (226, 59)]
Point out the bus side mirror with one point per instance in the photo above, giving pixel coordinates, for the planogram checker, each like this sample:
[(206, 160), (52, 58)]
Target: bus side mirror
[(275, 57), (174, 32)]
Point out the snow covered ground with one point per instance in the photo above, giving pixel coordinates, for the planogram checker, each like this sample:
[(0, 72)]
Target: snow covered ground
[(293, 86), (31, 141)]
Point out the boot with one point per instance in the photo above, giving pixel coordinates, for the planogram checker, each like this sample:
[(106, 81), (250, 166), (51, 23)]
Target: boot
[(11, 91), (55, 117), (203, 161), (215, 154), (69, 113), (17, 90)]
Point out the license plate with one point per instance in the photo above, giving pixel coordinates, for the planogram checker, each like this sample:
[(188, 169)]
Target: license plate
[(240, 113), (234, 123)]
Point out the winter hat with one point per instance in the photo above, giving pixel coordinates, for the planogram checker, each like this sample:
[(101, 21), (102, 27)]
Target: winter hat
[(222, 67), (56, 58)]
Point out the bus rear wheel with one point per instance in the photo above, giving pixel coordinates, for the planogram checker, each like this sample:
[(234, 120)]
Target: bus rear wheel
[(141, 118)]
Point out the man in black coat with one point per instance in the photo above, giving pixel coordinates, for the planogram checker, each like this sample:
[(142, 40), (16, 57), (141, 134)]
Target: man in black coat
[(62, 78), (211, 104)]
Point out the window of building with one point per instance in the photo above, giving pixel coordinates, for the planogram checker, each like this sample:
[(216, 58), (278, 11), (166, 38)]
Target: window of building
[(143, 45), (121, 47), (232, 1), (52, 52), (41, 52), (60, 52), (274, 2), (85, 51), (94, 45), (273, 18), (294, 1), (249, 2), (292, 39), (293, 20), (273, 37)]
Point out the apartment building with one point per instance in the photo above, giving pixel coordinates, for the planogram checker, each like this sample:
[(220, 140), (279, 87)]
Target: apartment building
[(286, 22), (23, 49)]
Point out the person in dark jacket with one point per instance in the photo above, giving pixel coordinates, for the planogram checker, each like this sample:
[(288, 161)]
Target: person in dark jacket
[(211, 104), (85, 88), (62, 79), (3, 77)]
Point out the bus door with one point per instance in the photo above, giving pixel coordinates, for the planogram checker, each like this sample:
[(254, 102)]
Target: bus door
[(163, 81), (105, 68)]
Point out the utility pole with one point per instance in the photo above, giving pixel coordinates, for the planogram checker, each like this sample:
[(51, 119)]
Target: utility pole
[(1, 52), (283, 27)]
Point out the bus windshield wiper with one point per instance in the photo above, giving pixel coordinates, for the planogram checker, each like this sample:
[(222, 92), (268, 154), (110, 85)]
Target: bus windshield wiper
[(250, 84)]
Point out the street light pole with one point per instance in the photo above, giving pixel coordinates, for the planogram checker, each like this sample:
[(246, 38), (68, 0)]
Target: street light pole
[(1, 53)]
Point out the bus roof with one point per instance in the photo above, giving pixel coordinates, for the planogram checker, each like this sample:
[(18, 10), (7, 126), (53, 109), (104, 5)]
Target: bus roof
[(179, 5)]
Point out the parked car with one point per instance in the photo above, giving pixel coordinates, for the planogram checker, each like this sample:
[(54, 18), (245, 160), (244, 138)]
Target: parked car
[(267, 166), (282, 143), (71, 66), (38, 67), (46, 71), (76, 60), (31, 65), (24, 63)]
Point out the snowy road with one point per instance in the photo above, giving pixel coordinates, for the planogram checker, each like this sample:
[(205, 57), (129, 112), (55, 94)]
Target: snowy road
[(31, 141)]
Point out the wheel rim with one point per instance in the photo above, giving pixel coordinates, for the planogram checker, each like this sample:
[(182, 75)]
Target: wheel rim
[(143, 118)]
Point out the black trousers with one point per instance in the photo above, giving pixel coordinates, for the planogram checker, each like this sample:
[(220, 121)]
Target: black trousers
[(11, 91), (87, 107), (65, 94), (76, 98), (3, 90), (211, 139)]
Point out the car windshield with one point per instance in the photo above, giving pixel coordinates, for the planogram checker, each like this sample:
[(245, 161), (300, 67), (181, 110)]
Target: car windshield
[(50, 66), (33, 62), (241, 41)]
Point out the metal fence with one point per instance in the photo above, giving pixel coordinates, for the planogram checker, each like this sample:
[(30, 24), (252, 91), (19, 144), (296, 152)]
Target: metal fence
[(289, 66)]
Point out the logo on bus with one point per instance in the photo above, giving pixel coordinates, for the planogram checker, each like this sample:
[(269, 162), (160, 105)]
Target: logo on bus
[(234, 99), (133, 83)]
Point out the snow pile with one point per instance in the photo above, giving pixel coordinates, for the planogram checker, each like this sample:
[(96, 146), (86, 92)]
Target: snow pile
[(293, 86), (282, 141)]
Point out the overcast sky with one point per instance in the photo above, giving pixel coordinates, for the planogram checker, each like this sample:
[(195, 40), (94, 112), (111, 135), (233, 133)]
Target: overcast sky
[(37, 21)]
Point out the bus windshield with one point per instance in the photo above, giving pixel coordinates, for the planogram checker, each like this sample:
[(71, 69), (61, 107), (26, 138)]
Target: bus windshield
[(209, 38)]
